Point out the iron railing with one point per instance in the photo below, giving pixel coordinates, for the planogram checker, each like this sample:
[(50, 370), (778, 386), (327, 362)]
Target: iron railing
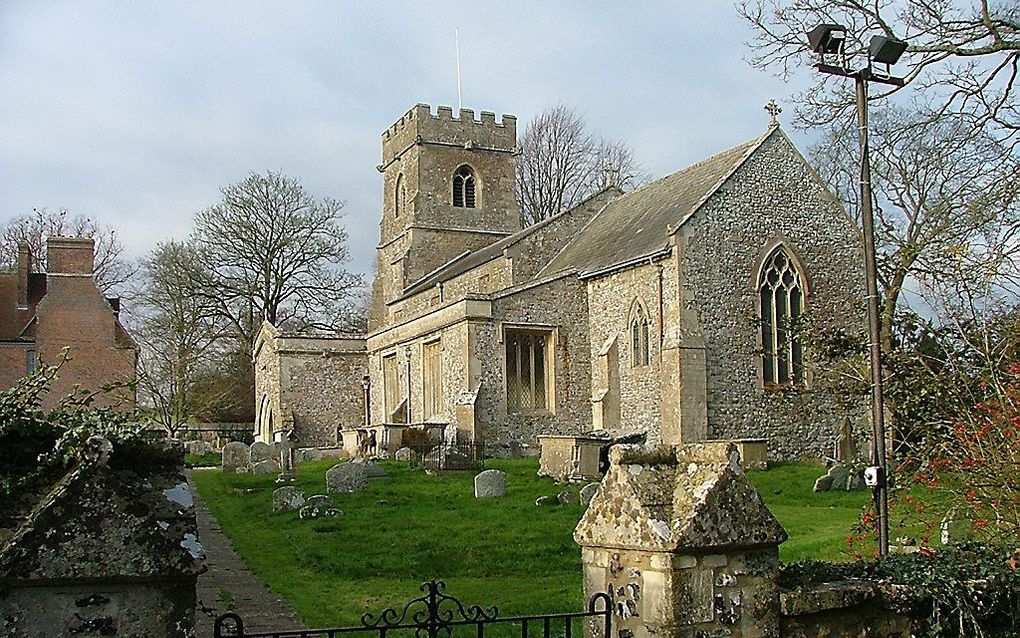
[(437, 615), (444, 456)]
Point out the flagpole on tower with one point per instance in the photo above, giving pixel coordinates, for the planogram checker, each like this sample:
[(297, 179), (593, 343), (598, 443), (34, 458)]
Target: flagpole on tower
[(456, 37)]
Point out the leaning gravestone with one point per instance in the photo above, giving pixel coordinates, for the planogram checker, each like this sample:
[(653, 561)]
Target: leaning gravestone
[(261, 452), (347, 478), (235, 455), (287, 499), (587, 493), (490, 484), (266, 467)]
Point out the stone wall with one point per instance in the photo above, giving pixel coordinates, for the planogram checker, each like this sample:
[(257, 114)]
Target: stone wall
[(774, 197), (312, 385)]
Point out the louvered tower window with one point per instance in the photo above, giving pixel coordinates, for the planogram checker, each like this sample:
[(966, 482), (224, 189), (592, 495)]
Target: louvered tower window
[(781, 304), (464, 188)]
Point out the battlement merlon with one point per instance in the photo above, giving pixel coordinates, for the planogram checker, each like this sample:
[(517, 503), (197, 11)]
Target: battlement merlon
[(443, 127)]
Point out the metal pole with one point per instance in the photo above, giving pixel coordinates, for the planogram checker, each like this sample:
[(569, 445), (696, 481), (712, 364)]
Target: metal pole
[(878, 453)]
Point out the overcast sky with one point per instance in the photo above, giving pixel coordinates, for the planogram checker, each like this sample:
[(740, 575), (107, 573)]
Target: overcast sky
[(136, 113)]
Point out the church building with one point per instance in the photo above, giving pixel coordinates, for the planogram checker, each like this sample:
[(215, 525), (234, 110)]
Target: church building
[(685, 310)]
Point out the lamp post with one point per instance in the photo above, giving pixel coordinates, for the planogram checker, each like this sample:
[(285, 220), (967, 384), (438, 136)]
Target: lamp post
[(831, 39)]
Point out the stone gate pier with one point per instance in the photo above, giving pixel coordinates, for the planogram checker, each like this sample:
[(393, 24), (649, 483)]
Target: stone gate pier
[(684, 543)]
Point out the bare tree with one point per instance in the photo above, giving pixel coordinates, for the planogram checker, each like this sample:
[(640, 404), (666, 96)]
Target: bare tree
[(112, 269), (561, 163), (180, 333), (270, 250), (963, 55), (945, 196)]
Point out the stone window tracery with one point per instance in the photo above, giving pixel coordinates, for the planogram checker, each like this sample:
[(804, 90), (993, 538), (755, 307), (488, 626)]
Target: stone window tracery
[(781, 306), (527, 370), (640, 355), (464, 188)]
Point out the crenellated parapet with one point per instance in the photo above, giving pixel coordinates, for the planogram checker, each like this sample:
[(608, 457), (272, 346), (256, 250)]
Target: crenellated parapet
[(421, 125)]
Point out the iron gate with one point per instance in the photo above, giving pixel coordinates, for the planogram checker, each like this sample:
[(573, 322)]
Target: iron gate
[(436, 614)]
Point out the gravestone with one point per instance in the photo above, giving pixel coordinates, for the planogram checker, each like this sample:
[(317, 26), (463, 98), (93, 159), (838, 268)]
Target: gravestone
[(310, 511), (288, 499), (347, 478), (587, 492), (490, 484), (235, 455), (545, 501), (565, 498), (260, 452), (319, 500), (268, 466), (375, 472), (404, 454)]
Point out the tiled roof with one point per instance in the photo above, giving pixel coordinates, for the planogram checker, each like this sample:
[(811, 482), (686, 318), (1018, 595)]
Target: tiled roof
[(640, 223)]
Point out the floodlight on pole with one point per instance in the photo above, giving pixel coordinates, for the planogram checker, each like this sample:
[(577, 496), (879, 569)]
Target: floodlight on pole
[(831, 38)]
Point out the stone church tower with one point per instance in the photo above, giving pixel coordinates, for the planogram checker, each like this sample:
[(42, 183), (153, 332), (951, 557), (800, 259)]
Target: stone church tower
[(448, 188)]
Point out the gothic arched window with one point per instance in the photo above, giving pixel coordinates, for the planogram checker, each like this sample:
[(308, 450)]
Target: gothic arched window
[(639, 338), (400, 196), (464, 187), (781, 305)]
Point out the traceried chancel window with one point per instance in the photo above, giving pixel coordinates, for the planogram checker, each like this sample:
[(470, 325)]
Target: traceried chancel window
[(640, 355), (464, 188), (781, 305), (527, 372)]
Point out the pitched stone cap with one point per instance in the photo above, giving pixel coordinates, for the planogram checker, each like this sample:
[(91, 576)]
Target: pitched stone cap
[(687, 499)]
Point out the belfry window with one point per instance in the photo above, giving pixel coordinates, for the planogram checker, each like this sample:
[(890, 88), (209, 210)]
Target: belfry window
[(781, 305), (400, 196), (464, 188), (639, 351)]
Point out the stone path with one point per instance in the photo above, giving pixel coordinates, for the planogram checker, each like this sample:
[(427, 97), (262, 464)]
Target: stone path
[(228, 576)]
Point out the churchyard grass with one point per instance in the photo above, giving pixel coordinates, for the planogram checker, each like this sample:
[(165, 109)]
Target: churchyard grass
[(505, 552), (209, 459)]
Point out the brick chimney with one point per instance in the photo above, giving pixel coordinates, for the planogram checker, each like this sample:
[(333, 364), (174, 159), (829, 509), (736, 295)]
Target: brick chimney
[(70, 255), (24, 270)]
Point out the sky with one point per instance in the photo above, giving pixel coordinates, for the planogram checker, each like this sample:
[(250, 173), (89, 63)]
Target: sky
[(135, 114)]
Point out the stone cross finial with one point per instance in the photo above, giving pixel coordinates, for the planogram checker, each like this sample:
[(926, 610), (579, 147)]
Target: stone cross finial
[(773, 109), (611, 173)]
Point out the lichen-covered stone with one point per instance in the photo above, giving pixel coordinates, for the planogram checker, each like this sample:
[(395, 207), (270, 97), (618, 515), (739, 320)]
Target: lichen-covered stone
[(347, 478), (566, 498), (404, 454), (261, 451), (235, 455), (268, 466), (587, 492), (320, 501), (490, 484), (288, 499), (311, 511)]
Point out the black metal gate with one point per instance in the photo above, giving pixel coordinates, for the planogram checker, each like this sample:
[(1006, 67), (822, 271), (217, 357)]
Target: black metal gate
[(436, 615)]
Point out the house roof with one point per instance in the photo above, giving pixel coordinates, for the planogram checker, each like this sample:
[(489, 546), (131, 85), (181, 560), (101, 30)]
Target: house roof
[(639, 223)]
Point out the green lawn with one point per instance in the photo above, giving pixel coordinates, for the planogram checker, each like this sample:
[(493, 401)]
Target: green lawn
[(415, 527)]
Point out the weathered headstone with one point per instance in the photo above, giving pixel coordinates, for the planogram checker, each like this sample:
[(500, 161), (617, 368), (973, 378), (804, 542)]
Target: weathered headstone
[(347, 478), (375, 472), (235, 455), (260, 452), (490, 484), (404, 454), (545, 501), (268, 466), (565, 498), (587, 492), (288, 499), (310, 511), (319, 500)]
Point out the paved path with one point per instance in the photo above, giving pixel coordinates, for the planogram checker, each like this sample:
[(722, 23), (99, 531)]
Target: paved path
[(260, 607)]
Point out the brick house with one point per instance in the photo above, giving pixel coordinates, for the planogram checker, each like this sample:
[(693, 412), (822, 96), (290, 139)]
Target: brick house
[(666, 310), (41, 314)]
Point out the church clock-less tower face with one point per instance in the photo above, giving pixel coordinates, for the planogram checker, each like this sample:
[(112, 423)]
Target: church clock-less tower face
[(448, 187)]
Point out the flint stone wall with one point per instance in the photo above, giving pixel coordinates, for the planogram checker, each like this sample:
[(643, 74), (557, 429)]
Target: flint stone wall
[(773, 197)]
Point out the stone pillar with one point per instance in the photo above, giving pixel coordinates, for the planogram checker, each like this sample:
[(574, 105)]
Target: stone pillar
[(684, 544)]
